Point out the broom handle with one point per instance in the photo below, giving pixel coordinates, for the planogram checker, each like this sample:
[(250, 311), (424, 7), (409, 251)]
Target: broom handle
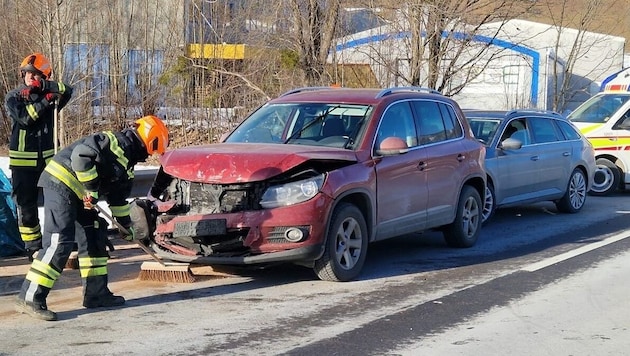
[(125, 231), (56, 125)]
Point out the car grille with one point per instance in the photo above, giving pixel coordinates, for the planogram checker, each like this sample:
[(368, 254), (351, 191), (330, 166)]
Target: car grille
[(201, 198)]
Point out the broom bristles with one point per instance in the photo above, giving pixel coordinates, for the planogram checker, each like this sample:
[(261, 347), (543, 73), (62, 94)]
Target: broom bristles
[(176, 273)]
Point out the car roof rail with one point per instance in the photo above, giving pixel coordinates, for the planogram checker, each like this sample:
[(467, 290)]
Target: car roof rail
[(302, 89), (537, 111), (392, 90)]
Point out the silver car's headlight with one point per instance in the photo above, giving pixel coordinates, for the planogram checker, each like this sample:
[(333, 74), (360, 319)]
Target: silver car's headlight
[(291, 193)]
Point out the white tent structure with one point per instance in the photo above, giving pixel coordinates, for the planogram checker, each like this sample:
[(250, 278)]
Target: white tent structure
[(522, 68)]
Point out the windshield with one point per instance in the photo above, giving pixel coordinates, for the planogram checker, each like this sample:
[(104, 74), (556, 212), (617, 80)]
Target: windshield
[(334, 125), (599, 108), (484, 129)]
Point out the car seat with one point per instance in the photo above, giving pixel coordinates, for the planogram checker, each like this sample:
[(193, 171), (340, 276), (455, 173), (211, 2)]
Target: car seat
[(333, 127)]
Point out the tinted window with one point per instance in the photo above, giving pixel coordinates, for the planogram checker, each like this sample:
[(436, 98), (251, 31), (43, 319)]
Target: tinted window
[(430, 123), (453, 128), (569, 132), (397, 121), (543, 130)]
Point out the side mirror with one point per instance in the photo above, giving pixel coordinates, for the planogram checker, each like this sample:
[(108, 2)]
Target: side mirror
[(510, 144), (392, 146)]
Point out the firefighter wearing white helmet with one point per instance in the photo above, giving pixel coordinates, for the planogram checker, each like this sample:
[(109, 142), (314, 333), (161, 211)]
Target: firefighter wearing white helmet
[(97, 166), (31, 107)]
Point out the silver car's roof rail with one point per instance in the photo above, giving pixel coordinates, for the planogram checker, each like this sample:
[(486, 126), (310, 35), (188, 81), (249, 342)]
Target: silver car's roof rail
[(392, 90), (299, 90), (537, 111)]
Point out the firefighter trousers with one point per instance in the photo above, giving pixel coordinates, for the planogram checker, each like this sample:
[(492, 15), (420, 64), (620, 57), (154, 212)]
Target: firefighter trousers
[(65, 221), (25, 194)]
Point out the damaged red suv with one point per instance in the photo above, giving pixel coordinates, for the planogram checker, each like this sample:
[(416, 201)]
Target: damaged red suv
[(315, 175)]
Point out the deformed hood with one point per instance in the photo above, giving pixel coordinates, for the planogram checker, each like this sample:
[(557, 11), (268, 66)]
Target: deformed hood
[(226, 163)]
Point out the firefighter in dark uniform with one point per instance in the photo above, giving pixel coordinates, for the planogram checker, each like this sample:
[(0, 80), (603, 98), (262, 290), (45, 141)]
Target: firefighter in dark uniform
[(100, 165), (31, 107)]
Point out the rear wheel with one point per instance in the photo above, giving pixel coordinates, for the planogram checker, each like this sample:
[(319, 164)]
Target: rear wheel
[(463, 232), (607, 177), (346, 245), (575, 196)]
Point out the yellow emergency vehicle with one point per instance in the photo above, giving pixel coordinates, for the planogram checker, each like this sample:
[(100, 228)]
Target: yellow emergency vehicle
[(605, 120)]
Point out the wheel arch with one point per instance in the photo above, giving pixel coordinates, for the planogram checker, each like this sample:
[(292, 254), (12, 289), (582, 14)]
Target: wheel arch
[(477, 182), (361, 199), (614, 159)]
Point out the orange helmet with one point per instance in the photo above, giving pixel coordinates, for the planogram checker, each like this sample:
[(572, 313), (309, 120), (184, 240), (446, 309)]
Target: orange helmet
[(153, 133), (38, 63)]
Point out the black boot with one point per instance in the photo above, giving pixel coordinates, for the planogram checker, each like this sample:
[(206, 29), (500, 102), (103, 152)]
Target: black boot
[(36, 310), (104, 300)]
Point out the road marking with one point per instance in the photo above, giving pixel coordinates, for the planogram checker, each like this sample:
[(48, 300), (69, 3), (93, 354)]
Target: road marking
[(578, 251)]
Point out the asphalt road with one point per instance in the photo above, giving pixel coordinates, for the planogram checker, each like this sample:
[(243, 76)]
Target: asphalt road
[(537, 283)]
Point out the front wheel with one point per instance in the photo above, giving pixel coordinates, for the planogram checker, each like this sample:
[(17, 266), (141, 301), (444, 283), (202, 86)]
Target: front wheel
[(489, 204), (575, 196), (346, 245), (607, 178), (464, 231)]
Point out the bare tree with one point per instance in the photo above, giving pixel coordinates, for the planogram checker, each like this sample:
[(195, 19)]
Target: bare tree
[(315, 24), (568, 80)]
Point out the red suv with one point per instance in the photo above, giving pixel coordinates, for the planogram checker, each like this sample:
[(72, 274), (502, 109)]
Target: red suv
[(315, 175)]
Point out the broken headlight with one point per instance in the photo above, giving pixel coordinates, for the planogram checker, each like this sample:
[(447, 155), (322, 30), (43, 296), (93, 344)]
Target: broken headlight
[(291, 193)]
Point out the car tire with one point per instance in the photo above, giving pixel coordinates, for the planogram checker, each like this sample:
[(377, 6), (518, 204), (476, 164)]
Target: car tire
[(489, 204), (464, 231), (575, 195), (607, 178), (346, 245)]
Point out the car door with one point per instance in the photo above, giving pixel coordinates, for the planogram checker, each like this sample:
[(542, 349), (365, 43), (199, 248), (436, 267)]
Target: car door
[(443, 163), (401, 189), (554, 157), (517, 169)]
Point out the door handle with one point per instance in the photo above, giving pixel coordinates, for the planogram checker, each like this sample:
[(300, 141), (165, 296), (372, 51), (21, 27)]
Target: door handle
[(422, 166), (535, 158), (461, 157), (566, 154)]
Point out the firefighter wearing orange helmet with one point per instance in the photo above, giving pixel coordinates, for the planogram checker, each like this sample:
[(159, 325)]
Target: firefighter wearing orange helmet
[(97, 166), (31, 107)]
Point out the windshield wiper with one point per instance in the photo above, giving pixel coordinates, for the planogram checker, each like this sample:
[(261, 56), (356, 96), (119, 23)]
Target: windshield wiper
[(355, 131), (310, 123)]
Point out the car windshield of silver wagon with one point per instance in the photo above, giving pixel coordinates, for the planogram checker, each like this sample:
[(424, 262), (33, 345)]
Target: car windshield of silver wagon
[(333, 125), (484, 129)]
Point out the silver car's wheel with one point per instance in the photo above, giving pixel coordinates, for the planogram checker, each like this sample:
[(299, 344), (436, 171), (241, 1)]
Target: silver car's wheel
[(346, 245), (607, 177), (575, 196), (488, 204)]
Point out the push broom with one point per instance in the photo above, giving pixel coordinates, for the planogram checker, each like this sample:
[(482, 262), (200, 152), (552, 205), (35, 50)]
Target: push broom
[(157, 271)]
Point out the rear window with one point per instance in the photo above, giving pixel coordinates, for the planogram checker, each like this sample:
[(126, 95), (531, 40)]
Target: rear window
[(568, 130)]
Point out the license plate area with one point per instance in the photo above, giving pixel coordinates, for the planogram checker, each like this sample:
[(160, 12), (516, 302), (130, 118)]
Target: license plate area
[(200, 228)]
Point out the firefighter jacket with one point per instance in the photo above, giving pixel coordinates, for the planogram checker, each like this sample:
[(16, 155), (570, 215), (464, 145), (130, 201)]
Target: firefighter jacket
[(102, 163), (32, 132)]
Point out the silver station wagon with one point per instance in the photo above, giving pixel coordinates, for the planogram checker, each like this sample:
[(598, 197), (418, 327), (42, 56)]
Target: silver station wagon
[(533, 156)]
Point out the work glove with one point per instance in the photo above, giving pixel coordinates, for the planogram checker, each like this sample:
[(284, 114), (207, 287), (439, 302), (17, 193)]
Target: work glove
[(130, 235), (25, 94), (89, 200), (38, 84), (50, 97), (127, 224), (33, 246)]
